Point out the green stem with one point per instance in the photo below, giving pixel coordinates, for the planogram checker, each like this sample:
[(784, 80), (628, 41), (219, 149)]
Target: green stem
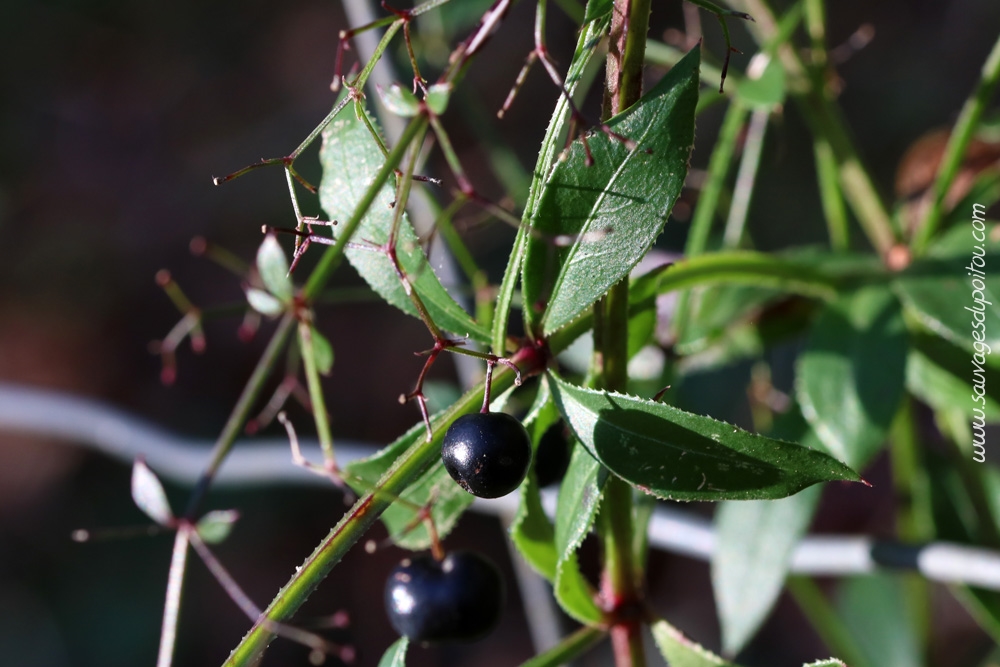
[(241, 412), (586, 46), (571, 647), (320, 415), (331, 258), (959, 141), (620, 591), (410, 465)]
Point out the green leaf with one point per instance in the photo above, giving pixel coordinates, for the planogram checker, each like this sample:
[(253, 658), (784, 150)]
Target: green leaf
[(942, 291), (264, 303), (851, 376), (586, 46), (399, 101), (322, 351), (531, 531), (939, 374), (437, 97), (216, 525), (579, 499), (678, 455), (611, 211), (350, 158), (597, 9), (829, 662), (272, 265), (715, 309), (679, 651), (148, 494), (395, 655), (754, 544), (450, 500), (875, 612)]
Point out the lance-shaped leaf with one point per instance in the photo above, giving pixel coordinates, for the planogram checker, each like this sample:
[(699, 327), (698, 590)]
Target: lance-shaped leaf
[(579, 497), (350, 158), (675, 454), (594, 223)]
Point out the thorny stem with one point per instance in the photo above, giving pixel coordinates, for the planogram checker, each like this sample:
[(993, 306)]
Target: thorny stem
[(367, 509), (620, 592), (236, 593)]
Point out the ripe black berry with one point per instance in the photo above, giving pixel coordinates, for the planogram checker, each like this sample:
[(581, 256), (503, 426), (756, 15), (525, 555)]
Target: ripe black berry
[(487, 453), (457, 599)]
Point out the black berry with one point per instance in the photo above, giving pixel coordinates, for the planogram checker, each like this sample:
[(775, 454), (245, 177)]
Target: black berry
[(487, 453), (456, 599), (552, 457)]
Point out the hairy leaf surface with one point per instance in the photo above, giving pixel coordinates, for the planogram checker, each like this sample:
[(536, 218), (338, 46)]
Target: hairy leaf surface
[(675, 454), (594, 223), (350, 158)]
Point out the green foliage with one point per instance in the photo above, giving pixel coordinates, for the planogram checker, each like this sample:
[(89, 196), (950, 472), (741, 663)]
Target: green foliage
[(870, 332)]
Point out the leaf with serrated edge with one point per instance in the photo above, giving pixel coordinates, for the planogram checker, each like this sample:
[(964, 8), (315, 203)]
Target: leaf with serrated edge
[(395, 655), (679, 651), (675, 454), (272, 265), (350, 159), (852, 373), (148, 494), (579, 497), (614, 209)]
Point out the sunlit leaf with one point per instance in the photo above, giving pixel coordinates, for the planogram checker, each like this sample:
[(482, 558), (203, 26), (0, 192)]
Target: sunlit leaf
[(579, 498), (399, 101), (273, 268), (675, 454), (594, 223), (350, 158)]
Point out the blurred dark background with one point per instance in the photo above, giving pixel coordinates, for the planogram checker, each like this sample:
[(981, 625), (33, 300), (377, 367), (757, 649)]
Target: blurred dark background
[(115, 116)]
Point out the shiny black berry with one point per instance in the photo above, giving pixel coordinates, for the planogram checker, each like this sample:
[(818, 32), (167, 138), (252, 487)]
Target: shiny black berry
[(456, 599), (487, 453)]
